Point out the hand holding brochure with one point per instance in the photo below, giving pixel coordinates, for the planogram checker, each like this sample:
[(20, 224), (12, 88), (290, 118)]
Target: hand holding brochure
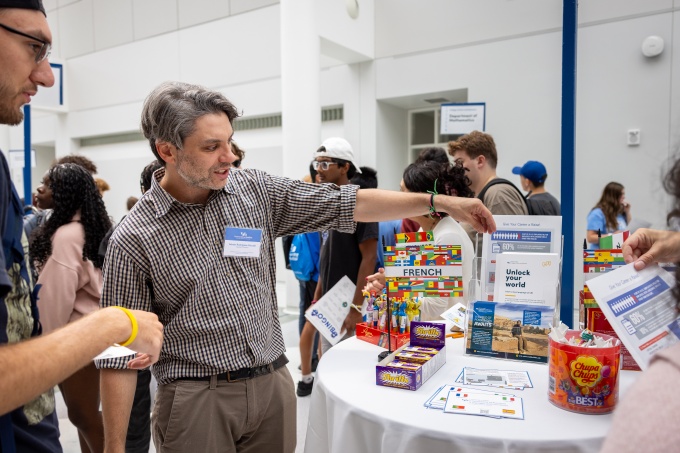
[(640, 307), (328, 314)]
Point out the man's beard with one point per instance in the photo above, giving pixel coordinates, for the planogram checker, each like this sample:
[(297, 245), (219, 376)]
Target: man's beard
[(9, 114), (188, 172)]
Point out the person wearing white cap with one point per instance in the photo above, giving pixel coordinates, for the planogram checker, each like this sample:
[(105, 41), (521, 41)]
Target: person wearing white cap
[(350, 254), (532, 177)]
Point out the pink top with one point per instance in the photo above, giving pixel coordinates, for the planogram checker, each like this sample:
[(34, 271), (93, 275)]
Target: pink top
[(646, 419), (70, 287)]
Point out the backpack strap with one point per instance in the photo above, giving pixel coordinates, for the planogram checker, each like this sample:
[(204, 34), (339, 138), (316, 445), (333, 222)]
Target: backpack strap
[(495, 181)]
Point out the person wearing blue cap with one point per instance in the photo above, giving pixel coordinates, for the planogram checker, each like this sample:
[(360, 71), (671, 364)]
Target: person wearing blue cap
[(532, 178)]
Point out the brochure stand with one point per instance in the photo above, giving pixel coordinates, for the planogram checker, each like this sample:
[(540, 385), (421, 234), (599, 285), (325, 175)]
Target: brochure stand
[(510, 330)]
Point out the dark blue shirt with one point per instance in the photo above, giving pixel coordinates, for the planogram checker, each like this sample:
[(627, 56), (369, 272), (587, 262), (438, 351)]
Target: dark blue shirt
[(34, 426)]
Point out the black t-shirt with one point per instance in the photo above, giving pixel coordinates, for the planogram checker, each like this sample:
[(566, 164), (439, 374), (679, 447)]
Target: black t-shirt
[(340, 254), (544, 204)]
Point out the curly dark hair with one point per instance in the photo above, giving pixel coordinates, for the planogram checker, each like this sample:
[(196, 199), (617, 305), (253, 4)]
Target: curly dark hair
[(672, 185), (77, 159), (433, 153), (73, 190), (431, 176)]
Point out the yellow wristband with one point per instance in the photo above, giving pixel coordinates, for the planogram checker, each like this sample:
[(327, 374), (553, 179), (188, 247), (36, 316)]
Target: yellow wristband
[(135, 326), (357, 307)]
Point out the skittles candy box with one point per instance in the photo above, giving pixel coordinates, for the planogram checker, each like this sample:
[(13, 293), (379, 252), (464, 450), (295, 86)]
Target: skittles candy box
[(584, 379)]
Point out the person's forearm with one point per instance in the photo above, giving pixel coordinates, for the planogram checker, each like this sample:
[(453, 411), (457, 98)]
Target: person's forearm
[(33, 366), (117, 394), (376, 205), (591, 237), (318, 291)]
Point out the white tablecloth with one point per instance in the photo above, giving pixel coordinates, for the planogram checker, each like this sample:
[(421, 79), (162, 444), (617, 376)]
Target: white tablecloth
[(349, 413)]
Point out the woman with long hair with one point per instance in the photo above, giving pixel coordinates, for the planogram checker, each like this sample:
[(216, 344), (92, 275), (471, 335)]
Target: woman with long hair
[(64, 251), (444, 179), (610, 215)]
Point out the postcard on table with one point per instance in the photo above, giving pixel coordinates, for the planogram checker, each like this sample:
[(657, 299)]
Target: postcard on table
[(438, 399), (485, 404)]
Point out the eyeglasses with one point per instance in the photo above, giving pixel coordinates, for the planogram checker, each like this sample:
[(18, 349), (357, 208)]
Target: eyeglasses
[(322, 165), (41, 52)]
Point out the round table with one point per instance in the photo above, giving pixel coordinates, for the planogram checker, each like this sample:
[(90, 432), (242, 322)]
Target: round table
[(350, 413)]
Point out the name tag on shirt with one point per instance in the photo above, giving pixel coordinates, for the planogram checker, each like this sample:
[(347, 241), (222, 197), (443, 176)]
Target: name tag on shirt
[(245, 242)]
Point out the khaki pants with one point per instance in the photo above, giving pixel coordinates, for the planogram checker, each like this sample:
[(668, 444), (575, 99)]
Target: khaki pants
[(253, 415)]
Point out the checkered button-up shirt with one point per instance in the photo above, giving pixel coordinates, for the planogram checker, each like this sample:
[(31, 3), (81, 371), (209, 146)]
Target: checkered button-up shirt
[(219, 313)]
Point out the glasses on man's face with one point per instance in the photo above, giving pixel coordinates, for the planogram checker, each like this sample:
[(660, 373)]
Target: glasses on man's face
[(322, 165), (41, 51)]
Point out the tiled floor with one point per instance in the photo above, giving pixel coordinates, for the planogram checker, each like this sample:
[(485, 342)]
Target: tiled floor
[(289, 325)]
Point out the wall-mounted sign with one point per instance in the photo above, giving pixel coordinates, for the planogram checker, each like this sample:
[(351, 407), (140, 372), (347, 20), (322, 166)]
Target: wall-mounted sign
[(463, 118)]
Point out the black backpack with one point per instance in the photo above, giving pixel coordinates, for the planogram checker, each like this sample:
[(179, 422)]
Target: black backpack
[(493, 182)]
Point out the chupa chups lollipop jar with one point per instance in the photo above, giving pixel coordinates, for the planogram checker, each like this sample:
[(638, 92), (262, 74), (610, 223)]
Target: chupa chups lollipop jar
[(584, 379)]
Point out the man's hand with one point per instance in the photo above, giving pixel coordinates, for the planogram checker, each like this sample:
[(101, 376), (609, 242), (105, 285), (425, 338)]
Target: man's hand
[(468, 210), (148, 341), (351, 321), (651, 246)]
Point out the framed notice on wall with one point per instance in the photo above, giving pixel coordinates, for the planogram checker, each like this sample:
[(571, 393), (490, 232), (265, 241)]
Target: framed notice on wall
[(463, 118)]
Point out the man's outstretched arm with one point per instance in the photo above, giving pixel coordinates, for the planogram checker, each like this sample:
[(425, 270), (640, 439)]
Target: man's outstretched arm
[(31, 367), (375, 205)]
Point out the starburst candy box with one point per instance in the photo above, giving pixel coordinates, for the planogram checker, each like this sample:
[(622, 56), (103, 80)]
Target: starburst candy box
[(410, 369)]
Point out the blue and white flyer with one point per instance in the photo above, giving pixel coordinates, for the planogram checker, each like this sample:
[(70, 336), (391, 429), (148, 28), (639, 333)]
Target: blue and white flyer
[(328, 314), (508, 331), (525, 234), (640, 307)]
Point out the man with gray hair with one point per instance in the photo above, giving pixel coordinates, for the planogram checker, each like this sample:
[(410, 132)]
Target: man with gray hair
[(198, 250)]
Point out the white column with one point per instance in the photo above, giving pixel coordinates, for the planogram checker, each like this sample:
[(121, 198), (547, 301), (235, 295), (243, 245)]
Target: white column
[(300, 102), (300, 98), (63, 143)]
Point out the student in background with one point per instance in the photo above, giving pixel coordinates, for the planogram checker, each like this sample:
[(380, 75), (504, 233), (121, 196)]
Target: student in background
[(434, 154), (303, 260), (64, 250), (610, 215), (446, 179), (532, 177)]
